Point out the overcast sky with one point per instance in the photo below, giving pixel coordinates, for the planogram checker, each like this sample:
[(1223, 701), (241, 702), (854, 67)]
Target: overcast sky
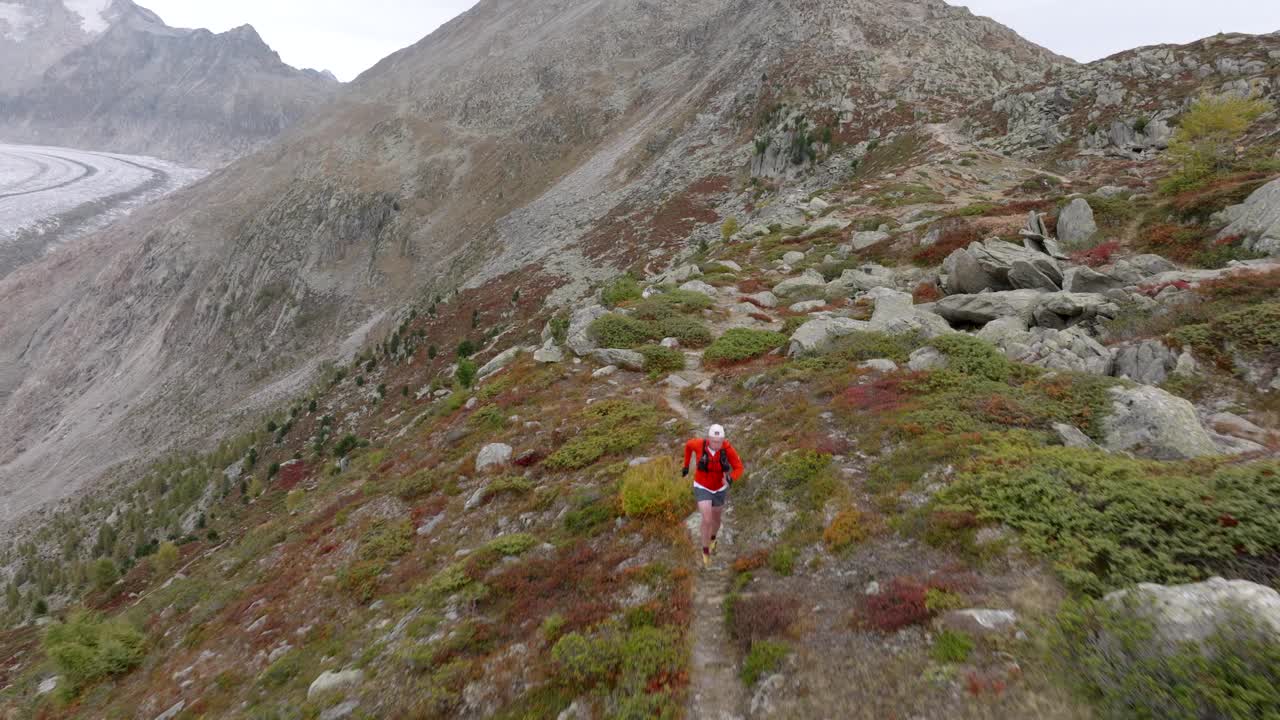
[(349, 36)]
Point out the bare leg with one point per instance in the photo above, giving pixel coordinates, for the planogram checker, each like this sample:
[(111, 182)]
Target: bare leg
[(717, 514), (708, 522)]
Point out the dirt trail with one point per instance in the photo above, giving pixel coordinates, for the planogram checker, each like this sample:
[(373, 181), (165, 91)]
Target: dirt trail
[(715, 692)]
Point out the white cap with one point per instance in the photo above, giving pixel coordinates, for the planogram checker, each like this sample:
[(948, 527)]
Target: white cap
[(716, 432)]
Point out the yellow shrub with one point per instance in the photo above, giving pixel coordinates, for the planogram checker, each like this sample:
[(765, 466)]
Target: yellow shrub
[(845, 530), (655, 489)]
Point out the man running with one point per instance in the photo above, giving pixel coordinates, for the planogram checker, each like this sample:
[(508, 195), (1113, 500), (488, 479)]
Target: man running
[(718, 467)]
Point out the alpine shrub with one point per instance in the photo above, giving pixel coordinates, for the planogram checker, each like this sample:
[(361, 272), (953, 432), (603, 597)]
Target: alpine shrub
[(764, 658), (742, 344), (88, 647), (655, 490)]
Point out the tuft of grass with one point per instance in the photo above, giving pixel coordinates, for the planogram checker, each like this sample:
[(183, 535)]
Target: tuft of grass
[(742, 344), (764, 658), (620, 290), (655, 490), (386, 541), (952, 647), (609, 426), (419, 484)]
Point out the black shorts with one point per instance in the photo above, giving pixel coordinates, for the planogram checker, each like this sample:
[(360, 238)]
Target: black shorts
[(717, 499)]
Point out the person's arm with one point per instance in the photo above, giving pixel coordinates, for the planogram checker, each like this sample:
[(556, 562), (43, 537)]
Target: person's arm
[(734, 462), (688, 454)]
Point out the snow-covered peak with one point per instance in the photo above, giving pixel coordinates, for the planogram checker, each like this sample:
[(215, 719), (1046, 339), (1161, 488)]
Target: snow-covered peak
[(93, 14)]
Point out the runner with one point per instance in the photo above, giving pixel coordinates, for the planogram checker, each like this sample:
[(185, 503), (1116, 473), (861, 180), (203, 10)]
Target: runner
[(718, 467)]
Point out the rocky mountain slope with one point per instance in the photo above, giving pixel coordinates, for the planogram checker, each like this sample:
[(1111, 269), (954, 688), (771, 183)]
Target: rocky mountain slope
[(489, 152), (110, 75), (982, 393)]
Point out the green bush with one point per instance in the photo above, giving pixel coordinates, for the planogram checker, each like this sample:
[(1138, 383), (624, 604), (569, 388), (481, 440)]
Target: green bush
[(512, 544), (466, 373), (621, 331), (659, 360), (968, 355), (609, 426), (508, 485), (671, 303), (782, 560), (167, 558), (387, 541), (655, 490), (285, 668), (620, 290), (765, 657), (1107, 521), (88, 647), (1253, 332), (951, 647), (1205, 142), (1118, 660), (729, 229), (419, 484), (104, 573), (741, 344), (346, 445), (689, 331), (862, 346)]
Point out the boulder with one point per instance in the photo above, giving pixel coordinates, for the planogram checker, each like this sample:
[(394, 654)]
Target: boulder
[(340, 711), (817, 335), (807, 306), (793, 258), (729, 265), (330, 681), (965, 276), (579, 338), (997, 257), (982, 308), (699, 287), (1076, 224), (1151, 422), (1257, 220), (858, 280), (879, 365), (1073, 437), (1236, 426), (1002, 331), (548, 353), (684, 273), (826, 225), (1088, 280), (864, 240), (896, 313), (810, 282), (764, 299), (1192, 612), (47, 685), (927, 358), (976, 621), (1063, 310), (628, 359), (501, 361), (492, 455), (1149, 363)]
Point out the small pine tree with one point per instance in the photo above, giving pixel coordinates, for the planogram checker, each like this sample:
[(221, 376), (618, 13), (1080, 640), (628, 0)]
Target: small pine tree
[(466, 374), (431, 352), (104, 573), (167, 558), (41, 607), (311, 407)]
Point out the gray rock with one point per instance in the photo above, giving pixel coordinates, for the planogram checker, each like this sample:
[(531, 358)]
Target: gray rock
[(340, 711), (997, 257), (896, 313), (1076, 224), (1236, 426), (1073, 437), (965, 276), (549, 353), (793, 258), (330, 681), (1147, 362), (764, 299), (1257, 220), (857, 280), (684, 273), (983, 308), (501, 361), (1064, 310), (729, 265), (578, 710), (430, 526), (670, 343), (173, 711), (1026, 276), (47, 685), (1192, 612), (628, 359), (879, 365), (1072, 350), (1088, 280), (810, 282), (1001, 331), (864, 240), (826, 225), (605, 371), (699, 287), (1151, 422), (927, 358), (493, 454), (818, 335), (807, 306), (979, 621), (579, 339)]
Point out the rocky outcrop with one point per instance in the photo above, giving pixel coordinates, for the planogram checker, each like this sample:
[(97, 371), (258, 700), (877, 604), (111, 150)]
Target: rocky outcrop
[(983, 308), (627, 359), (897, 314), (1150, 422), (1149, 363), (493, 455), (818, 336), (859, 280), (1063, 310), (579, 338), (810, 282), (499, 362), (998, 265), (1256, 220), (1087, 280)]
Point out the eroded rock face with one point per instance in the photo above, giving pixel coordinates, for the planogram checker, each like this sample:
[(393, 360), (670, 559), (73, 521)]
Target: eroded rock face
[(1150, 422), (1257, 220), (1149, 363), (1192, 612)]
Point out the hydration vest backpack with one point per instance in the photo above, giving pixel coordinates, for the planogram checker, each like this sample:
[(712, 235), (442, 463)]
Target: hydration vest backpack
[(704, 462)]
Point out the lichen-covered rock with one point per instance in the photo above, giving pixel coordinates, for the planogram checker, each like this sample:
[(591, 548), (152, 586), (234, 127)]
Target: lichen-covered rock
[(764, 299), (1257, 220), (897, 314), (699, 287), (1088, 280), (330, 681), (1193, 612), (499, 362), (1149, 363), (1076, 224), (818, 335), (858, 280), (810, 282), (982, 308), (1150, 422), (492, 455), (628, 359), (927, 358), (579, 337)]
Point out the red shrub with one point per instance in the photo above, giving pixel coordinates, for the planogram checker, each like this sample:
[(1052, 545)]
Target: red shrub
[(952, 239), (759, 617), (882, 395), (761, 317), (1098, 256), (1154, 290), (291, 473), (751, 286), (954, 519), (528, 458), (896, 606)]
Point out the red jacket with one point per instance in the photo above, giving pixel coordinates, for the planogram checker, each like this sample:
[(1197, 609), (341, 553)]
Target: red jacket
[(713, 478)]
